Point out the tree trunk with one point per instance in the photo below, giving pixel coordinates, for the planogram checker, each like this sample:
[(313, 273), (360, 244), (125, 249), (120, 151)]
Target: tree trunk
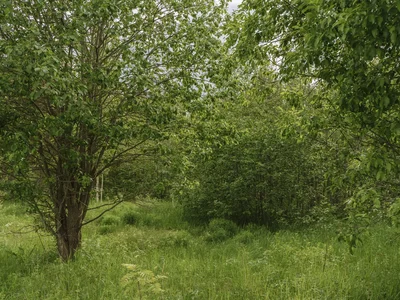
[(68, 239), (71, 204), (68, 232)]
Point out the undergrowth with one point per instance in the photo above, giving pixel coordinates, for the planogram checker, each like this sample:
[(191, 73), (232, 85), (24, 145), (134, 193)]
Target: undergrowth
[(147, 251)]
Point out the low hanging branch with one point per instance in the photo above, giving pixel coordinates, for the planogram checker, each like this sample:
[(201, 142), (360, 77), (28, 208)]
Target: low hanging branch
[(100, 215)]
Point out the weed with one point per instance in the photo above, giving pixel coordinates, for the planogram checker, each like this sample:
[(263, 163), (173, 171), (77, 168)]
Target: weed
[(129, 218), (141, 282)]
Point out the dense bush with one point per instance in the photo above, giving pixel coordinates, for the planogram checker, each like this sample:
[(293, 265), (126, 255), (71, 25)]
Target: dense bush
[(262, 179), (267, 165)]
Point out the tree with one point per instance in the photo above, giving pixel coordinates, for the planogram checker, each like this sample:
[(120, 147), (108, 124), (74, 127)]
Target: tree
[(349, 49), (86, 84), (254, 162)]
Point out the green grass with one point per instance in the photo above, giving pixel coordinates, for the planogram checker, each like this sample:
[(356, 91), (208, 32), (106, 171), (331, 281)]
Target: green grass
[(169, 259)]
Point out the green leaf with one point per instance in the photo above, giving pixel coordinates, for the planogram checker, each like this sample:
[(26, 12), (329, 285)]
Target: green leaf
[(393, 35)]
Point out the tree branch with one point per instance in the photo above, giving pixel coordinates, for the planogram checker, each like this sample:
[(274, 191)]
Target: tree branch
[(100, 215)]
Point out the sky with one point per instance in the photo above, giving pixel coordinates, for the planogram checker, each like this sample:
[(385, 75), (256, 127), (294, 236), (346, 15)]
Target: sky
[(233, 4)]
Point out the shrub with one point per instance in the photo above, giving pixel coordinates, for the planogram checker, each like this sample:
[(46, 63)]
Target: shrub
[(268, 176), (220, 230), (129, 218)]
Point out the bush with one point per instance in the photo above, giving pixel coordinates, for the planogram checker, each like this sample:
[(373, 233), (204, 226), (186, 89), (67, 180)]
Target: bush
[(129, 218), (220, 230), (268, 176)]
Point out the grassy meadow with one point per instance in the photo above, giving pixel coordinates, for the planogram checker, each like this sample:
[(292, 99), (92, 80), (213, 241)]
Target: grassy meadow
[(147, 251)]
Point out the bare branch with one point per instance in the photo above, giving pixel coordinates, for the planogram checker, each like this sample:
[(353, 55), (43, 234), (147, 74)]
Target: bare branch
[(100, 215)]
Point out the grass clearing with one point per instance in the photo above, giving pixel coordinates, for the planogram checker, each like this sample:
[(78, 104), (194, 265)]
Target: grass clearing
[(166, 258)]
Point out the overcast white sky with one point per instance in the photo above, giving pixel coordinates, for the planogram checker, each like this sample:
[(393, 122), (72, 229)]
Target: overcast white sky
[(233, 5)]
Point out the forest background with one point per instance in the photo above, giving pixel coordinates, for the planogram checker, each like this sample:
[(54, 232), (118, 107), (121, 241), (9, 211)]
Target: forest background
[(270, 126)]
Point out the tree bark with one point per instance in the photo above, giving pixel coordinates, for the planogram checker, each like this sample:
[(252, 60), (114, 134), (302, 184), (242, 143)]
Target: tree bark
[(71, 204), (69, 219), (68, 239)]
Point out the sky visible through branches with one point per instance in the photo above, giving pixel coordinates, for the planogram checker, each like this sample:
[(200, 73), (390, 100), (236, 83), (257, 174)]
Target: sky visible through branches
[(233, 5)]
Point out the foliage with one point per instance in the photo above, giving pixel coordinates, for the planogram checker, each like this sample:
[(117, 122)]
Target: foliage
[(144, 177), (219, 230), (141, 282), (267, 169), (129, 218), (89, 84), (348, 48), (394, 212), (152, 175), (348, 51)]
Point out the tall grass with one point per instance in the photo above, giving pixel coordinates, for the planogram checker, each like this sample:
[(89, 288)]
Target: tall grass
[(166, 258)]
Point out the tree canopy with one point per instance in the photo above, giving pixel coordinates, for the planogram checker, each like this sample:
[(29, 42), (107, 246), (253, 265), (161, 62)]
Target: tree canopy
[(346, 49), (350, 47), (268, 115), (86, 83)]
